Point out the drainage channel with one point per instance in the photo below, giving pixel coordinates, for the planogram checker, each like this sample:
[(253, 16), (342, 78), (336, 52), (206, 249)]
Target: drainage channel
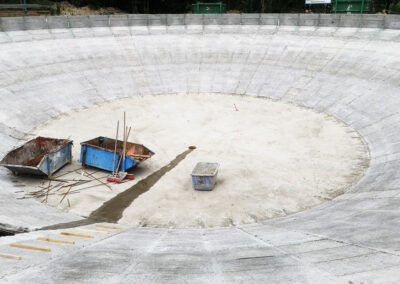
[(113, 209)]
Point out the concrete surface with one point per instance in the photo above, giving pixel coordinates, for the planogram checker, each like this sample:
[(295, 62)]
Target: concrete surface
[(344, 65), (276, 159)]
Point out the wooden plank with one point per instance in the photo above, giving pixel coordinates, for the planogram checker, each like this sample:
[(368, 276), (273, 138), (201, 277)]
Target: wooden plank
[(76, 235), (55, 241), (108, 227), (93, 231), (30, 247), (139, 155), (10, 256)]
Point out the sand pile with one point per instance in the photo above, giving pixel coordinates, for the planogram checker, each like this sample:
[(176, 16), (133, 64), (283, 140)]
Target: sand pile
[(275, 158)]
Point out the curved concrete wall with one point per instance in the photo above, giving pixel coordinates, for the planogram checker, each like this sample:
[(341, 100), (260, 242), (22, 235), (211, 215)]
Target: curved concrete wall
[(348, 66), (314, 20)]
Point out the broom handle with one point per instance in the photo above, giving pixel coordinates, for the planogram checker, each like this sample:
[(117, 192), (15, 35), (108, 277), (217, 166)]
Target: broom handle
[(115, 148), (117, 170), (123, 149)]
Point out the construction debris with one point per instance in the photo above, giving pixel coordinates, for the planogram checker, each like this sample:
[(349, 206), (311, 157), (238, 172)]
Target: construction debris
[(40, 156), (44, 156)]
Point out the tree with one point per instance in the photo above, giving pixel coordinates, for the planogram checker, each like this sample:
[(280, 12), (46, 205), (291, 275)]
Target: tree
[(244, 6)]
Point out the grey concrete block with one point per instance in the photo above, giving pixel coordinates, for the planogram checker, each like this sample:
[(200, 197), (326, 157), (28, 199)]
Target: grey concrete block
[(118, 20), (392, 22), (270, 19), (212, 19), (175, 20), (157, 20), (193, 19), (309, 20), (231, 19), (350, 21), (138, 20), (250, 19), (58, 22), (323, 20), (79, 22), (289, 19), (329, 20), (99, 21), (12, 24), (373, 21), (35, 23)]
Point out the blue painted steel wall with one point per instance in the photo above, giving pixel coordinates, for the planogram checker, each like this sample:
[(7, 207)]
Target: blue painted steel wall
[(203, 182), (104, 159), (56, 160)]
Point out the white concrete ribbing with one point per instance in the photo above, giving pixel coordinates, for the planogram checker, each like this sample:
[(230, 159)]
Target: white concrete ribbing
[(349, 68)]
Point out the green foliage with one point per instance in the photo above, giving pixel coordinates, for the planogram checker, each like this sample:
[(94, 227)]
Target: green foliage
[(385, 6), (78, 3), (395, 8), (185, 6)]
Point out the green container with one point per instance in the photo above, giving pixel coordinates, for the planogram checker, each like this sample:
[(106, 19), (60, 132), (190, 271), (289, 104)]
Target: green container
[(351, 6), (209, 8)]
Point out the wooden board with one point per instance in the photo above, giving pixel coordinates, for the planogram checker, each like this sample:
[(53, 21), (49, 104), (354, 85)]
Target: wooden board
[(76, 235), (30, 247), (10, 256), (108, 227), (93, 231), (56, 241)]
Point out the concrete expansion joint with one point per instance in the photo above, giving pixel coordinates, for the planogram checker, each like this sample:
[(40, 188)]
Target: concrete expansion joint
[(215, 265), (346, 242), (148, 251), (302, 262), (259, 240)]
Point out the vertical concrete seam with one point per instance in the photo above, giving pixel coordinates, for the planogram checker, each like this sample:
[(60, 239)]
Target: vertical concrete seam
[(90, 24), (384, 22), (24, 25), (47, 24)]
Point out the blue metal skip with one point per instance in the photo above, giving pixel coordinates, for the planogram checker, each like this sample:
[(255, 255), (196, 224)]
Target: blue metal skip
[(40, 156), (99, 153)]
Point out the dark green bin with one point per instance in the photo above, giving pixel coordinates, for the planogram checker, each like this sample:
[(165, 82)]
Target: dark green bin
[(351, 6), (209, 8)]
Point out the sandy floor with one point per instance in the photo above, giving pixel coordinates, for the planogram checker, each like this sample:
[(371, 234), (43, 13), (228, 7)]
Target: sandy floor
[(276, 158)]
